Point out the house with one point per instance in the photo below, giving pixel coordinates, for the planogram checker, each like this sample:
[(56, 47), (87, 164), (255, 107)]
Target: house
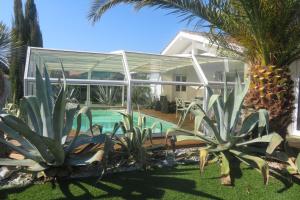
[(194, 43)]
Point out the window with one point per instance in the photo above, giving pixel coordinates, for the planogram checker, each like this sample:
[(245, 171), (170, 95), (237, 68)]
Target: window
[(180, 78)]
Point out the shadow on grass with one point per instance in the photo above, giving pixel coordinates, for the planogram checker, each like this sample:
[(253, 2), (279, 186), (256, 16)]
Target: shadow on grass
[(135, 185), (130, 185)]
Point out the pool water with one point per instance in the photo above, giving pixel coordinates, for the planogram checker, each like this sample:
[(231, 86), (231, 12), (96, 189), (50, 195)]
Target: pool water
[(108, 118)]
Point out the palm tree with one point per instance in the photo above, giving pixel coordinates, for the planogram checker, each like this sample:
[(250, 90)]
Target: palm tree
[(267, 30), (5, 41), (5, 45)]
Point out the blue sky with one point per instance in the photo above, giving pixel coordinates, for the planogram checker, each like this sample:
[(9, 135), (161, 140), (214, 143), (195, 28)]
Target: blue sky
[(65, 26)]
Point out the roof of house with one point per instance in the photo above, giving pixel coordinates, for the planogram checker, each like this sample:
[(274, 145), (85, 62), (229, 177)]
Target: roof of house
[(184, 39)]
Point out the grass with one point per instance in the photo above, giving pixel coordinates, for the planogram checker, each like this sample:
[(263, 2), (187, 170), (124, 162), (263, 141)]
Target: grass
[(182, 182)]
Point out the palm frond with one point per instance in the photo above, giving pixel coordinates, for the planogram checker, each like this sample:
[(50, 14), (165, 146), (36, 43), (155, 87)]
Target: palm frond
[(268, 30)]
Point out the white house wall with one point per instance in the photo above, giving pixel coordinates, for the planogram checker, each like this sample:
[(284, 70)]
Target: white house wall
[(191, 91), (295, 72)]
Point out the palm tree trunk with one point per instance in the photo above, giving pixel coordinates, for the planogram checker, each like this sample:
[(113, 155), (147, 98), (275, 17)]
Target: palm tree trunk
[(271, 87)]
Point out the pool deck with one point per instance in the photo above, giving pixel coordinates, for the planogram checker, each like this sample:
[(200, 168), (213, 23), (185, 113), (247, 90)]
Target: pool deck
[(169, 117)]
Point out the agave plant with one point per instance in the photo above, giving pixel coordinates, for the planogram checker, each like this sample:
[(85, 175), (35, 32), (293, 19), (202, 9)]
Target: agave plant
[(107, 94), (48, 141), (227, 136), (133, 139)]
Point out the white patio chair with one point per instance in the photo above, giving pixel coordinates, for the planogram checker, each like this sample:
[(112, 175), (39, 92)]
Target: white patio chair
[(180, 105)]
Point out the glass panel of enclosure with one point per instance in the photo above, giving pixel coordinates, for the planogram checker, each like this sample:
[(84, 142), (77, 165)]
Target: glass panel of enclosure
[(214, 68), (77, 65), (161, 68)]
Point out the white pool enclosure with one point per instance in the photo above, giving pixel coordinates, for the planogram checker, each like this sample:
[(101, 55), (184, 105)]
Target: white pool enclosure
[(185, 75)]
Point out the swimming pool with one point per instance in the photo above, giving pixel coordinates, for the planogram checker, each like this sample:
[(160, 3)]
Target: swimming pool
[(108, 118)]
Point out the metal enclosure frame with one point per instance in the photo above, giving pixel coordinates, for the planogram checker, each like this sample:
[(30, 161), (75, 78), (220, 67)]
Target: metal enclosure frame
[(128, 81)]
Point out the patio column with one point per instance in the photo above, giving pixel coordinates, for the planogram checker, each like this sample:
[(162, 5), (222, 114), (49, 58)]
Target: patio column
[(201, 76), (129, 85), (123, 95), (88, 90)]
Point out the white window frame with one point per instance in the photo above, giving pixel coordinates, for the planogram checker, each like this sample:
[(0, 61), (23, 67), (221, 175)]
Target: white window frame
[(181, 79)]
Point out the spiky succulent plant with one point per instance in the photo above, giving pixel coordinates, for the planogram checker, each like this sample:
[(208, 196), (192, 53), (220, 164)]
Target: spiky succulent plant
[(47, 140), (227, 136), (133, 139)]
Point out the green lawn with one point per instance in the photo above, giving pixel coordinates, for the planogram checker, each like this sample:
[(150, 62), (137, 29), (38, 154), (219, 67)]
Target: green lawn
[(183, 182)]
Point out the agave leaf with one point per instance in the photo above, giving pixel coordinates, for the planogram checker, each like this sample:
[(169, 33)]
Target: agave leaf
[(86, 111), (63, 74), (20, 127), (141, 121), (273, 139), (117, 126), (212, 100), (97, 129), (37, 167), (239, 96), (70, 147), (219, 148), (15, 135), (198, 121), (155, 124), (127, 121), (180, 138), (31, 106), (49, 92), (177, 131), (261, 164), (203, 154), (146, 134), (97, 157), (46, 112), (85, 159), (123, 127), (249, 124), (225, 170), (56, 150), (212, 103), (263, 123), (59, 115), (298, 162), (208, 122), (221, 123), (21, 163), (83, 139), (71, 110), (30, 154), (274, 143), (138, 134)]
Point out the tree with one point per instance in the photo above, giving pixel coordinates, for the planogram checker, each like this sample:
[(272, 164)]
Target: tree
[(268, 30), (17, 61), (26, 32), (34, 34)]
